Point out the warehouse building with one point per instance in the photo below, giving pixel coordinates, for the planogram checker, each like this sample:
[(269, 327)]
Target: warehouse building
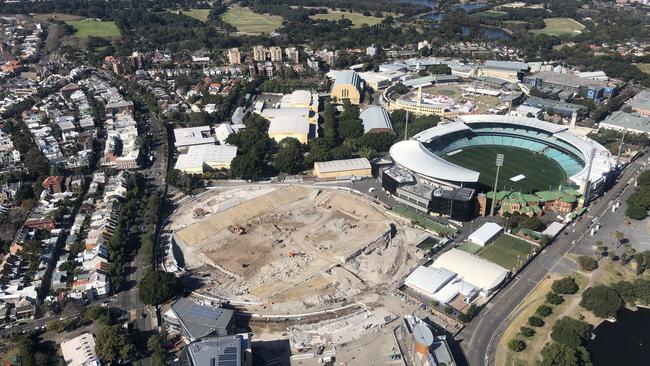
[(201, 158), (485, 234), (582, 87), (641, 102), (343, 169), (376, 119), (347, 85), (631, 122), (192, 136), (295, 126)]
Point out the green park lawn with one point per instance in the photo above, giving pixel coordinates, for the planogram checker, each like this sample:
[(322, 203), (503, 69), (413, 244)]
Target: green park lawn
[(507, 251), (357, 19), (199, 14), (560, 26), (643, 67), (246, 21), (85, 28)]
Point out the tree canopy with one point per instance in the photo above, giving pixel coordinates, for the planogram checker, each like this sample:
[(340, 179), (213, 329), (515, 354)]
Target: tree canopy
[(157, 287), (601, 300), (565, 286), (571, 331)]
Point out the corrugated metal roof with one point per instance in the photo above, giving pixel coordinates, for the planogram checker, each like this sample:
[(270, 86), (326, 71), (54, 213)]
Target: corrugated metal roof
[(339, 165), (375, 117)]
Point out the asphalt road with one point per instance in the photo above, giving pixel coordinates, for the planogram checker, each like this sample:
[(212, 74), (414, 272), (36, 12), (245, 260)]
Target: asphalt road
[(129, 300), (480, 338)]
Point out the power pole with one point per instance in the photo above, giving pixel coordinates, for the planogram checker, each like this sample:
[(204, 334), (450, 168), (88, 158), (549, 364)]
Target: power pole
[(499, 164)]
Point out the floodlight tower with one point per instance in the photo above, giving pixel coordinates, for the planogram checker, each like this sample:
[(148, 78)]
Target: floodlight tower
[(620, 147), (499, 164)]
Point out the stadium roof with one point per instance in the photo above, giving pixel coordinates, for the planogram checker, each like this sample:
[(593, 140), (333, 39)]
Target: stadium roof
[(440, 130), (485, 233), (375, 117), (339, 165), (414, 156), (193, 136), (476, 271), (199, 321), (516, 120)]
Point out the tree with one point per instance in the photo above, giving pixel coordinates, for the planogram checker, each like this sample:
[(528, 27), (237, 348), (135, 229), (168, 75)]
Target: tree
[(289, 158), (113, 344), (246, 166), (571, 331), (587, 263), (565, 286), (535, 321), (157, 287), (601, 300), (516, 345), (560, 354), (36, 163), (527, 332), (544, 311), (378, 141)]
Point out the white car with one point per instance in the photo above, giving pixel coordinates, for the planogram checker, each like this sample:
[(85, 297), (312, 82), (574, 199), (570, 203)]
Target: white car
[(371, 189)]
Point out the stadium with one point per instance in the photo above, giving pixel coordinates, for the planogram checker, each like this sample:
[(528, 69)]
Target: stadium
[(538, 155)]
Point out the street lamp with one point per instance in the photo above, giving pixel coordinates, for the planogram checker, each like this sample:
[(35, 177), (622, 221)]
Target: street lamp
[(499, 164)]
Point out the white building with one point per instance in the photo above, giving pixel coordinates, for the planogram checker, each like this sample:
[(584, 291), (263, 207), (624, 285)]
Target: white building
[(80, 351), (485, 234), (192, 136)]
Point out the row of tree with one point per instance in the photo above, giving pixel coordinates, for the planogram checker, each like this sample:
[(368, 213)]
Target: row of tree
[(638, 203)]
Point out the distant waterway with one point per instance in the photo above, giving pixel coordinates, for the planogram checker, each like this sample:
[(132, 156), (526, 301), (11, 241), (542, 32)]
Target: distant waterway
[(624, 342)]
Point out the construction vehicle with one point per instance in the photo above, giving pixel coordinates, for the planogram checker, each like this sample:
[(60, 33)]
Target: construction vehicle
[(236, 229), (294, 254)]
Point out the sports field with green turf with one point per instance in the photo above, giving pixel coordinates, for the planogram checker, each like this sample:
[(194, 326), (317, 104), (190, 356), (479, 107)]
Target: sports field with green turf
[(249, 22), (540, 172), (507, 251), (357, 19), (85, 28), (560, 26)]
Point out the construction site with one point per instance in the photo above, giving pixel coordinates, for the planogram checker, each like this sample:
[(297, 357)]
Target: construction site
[(292, 249)]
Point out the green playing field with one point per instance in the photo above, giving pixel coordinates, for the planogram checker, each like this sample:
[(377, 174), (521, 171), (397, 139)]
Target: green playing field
[(540, 172)]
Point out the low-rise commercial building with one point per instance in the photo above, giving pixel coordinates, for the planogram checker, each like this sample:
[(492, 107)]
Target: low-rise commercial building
[(200, 158), (632, 122), (195, 321), (192, 136), (343, 169)]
